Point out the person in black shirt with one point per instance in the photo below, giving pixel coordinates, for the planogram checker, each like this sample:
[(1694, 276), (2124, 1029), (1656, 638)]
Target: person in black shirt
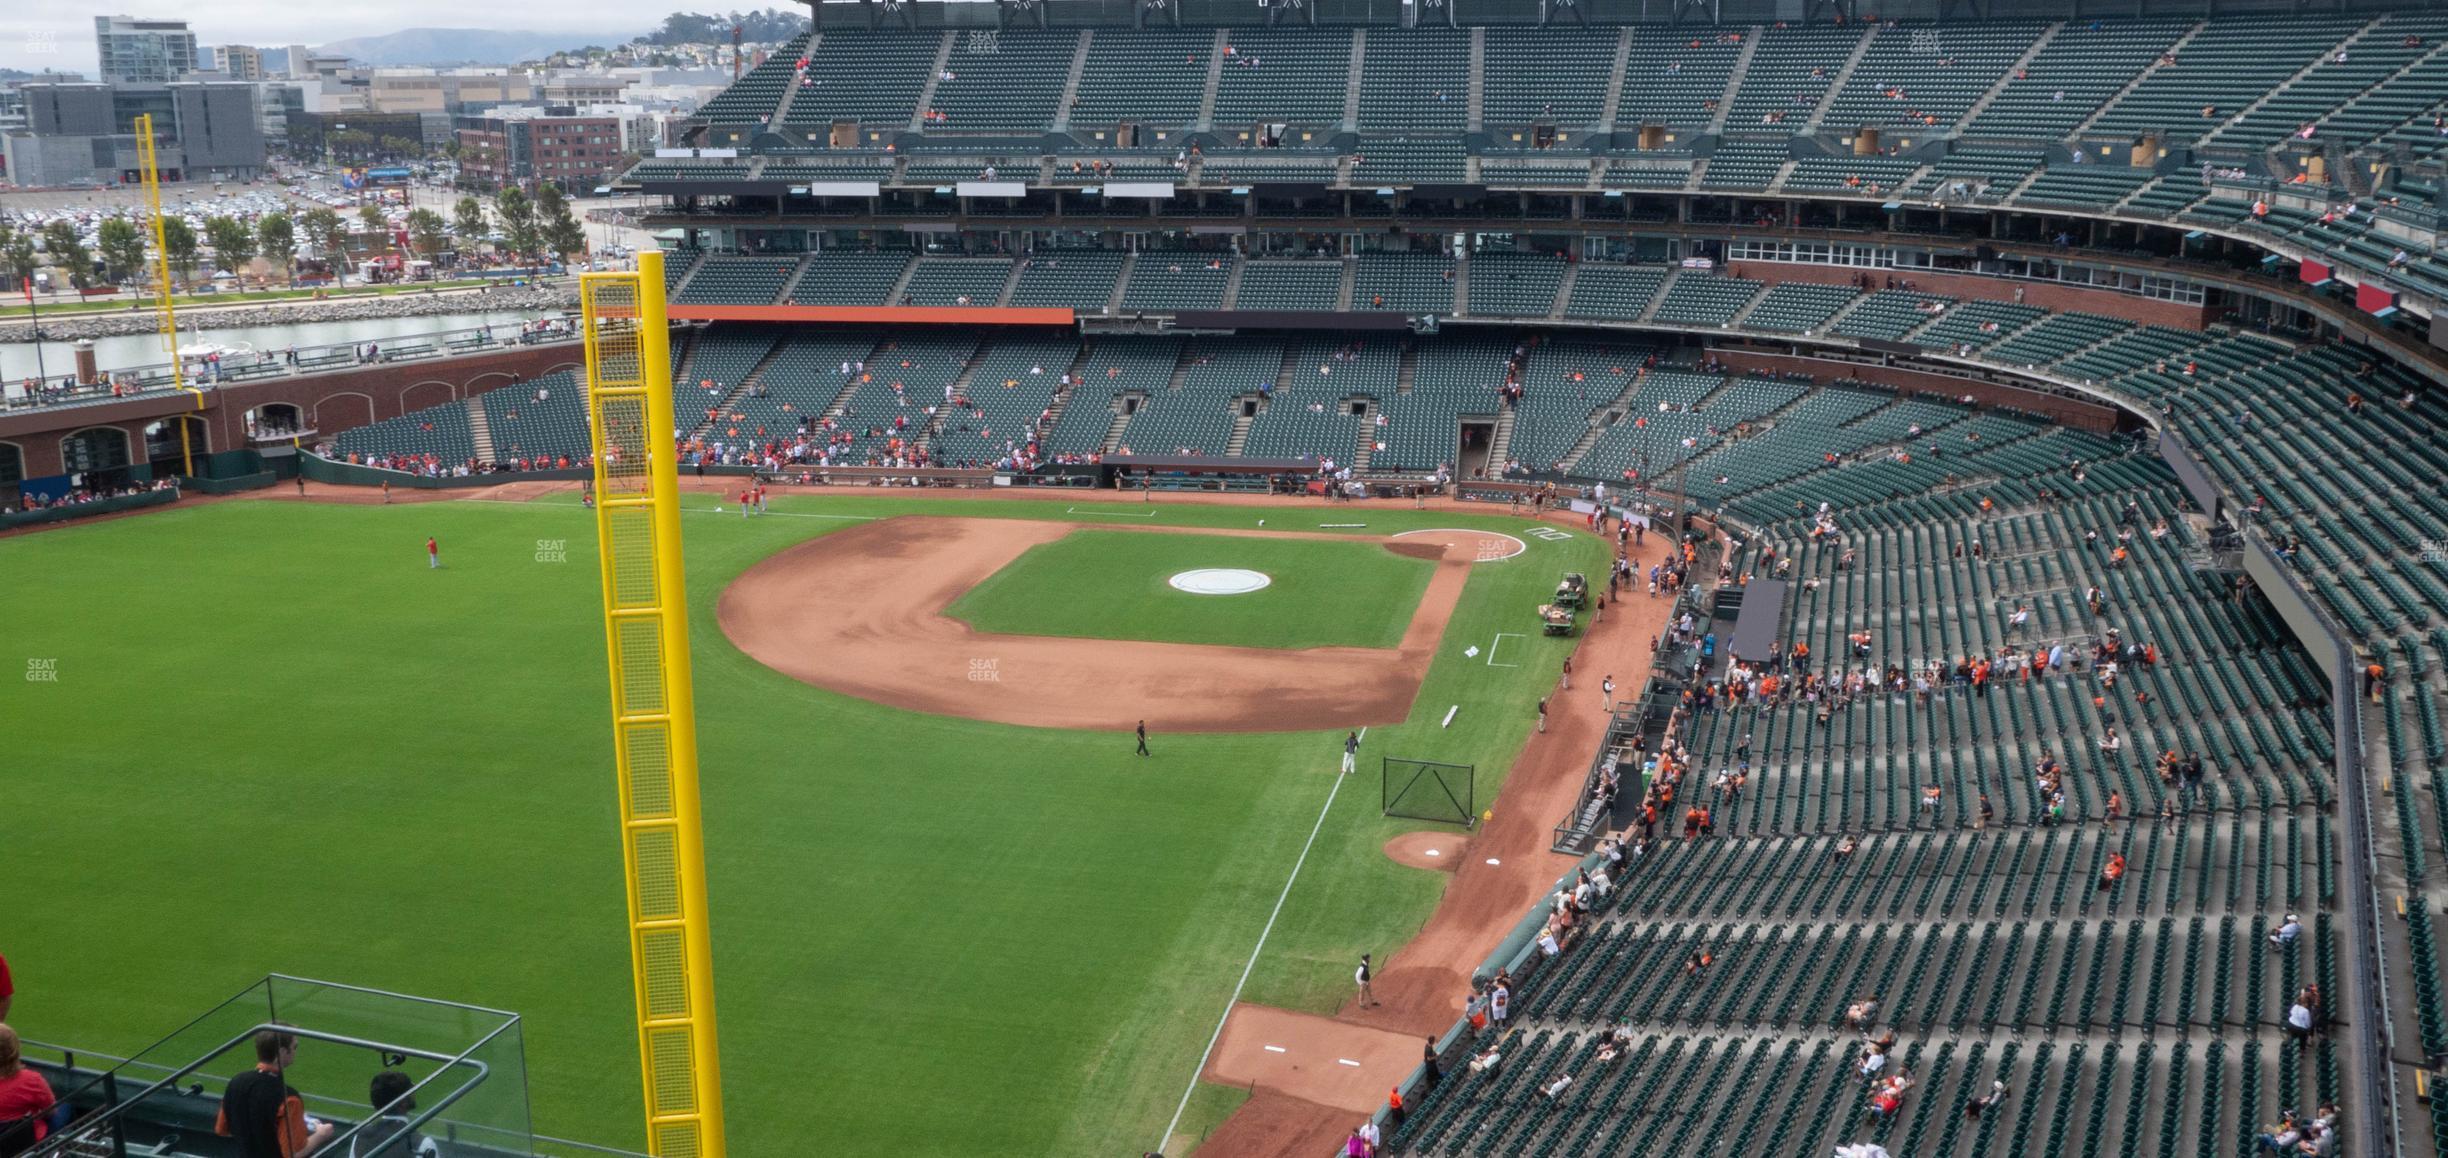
[(389, 1134), (260, 1110)]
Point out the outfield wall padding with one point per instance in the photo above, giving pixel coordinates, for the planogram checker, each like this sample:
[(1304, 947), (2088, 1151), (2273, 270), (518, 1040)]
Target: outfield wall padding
[(351, 474), (231, 485), (18, 519)]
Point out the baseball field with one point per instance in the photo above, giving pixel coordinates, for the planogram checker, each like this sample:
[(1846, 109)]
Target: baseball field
[(277, 741)]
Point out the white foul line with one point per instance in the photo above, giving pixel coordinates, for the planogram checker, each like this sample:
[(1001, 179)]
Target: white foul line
[(1110, 514), (1235, 999), (1501, 636)]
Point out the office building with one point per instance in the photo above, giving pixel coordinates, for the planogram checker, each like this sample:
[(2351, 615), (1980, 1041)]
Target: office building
[(84, 134), (143, 51), (238, 61)]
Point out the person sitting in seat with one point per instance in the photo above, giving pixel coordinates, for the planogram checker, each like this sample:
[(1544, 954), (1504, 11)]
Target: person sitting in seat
[(2113, 871), (2286, 932), (389, 1135)]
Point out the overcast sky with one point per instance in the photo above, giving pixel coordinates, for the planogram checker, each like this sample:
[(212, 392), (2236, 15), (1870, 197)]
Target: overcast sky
[(58, 34)]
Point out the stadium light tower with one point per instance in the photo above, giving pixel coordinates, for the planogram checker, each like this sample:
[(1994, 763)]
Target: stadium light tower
[(654, 711)]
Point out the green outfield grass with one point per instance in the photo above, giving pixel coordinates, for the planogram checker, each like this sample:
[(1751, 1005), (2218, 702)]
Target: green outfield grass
[(1112, 585), (278, 742)]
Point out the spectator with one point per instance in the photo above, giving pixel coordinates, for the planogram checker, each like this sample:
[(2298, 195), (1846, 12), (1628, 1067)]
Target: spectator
[(2286, 932), (8, 989), (25, 1098), (2299, 1023), (389, 1134), (259, 1109), (1982, 1105)]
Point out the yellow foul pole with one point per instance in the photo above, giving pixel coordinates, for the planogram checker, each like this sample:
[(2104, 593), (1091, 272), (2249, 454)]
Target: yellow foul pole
[(163, 309), (654, 718)]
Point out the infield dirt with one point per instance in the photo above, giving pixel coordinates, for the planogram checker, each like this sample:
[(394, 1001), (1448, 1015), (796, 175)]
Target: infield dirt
[(861, 612)]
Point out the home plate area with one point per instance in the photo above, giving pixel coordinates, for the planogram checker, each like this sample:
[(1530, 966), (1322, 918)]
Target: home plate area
[(1315, 1059)]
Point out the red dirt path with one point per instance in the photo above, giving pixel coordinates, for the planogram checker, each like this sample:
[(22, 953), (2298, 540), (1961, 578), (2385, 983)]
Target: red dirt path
[(860, 611), (1421, 988)]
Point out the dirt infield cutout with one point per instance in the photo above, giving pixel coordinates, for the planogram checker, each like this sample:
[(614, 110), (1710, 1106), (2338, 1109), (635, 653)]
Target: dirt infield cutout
[(1487, 547), (861, 612), (1441, 851)]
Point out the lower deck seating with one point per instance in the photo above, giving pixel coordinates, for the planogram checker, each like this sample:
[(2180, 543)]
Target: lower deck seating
[(1897, 847), (440, 431), (542, 417)]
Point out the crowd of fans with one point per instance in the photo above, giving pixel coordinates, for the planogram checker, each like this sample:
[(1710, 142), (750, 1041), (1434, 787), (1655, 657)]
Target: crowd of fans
[(83, 496)]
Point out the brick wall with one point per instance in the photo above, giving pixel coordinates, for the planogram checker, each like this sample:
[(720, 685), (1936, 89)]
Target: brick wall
[(332, 401)]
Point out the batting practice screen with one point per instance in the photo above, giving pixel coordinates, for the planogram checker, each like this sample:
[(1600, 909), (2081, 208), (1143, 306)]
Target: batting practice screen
[(1429, 790)]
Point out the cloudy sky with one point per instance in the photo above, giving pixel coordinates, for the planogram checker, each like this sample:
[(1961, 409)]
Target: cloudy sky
[(58, 34)]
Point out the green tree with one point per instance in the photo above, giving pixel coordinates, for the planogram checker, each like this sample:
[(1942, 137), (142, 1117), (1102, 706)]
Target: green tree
[(371, 217), (518, 218), (468, 221), (232, 242), (556, 225), (327, 232), (123, 249), (179, 238), (17, 253), (277, 233), (67, 251), (427, 232)]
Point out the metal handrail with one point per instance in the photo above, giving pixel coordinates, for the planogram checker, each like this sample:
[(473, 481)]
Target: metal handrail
[(59, 1143)]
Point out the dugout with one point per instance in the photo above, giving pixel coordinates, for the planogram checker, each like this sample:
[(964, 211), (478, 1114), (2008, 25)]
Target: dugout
[(1200, 472)]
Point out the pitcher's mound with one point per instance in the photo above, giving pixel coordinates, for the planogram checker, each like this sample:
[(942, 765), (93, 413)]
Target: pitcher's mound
[(1428, 850)]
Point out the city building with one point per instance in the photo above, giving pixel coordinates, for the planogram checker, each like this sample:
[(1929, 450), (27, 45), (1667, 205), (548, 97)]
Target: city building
[(238, 61), (143, 51), (84, 133), (428, 90), (524, 145), (356, 135)]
